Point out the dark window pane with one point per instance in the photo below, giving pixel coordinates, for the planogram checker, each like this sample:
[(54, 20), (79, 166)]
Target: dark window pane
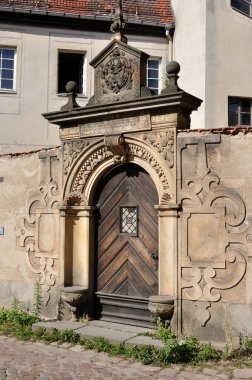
[(7, 53), (153, 64), (233, 106), (241, 5), (153, 83), (8, 64), (245, 119), (245, 106), (70, 68), (7, 74), (153, 73), (6, 84), (232, 119)]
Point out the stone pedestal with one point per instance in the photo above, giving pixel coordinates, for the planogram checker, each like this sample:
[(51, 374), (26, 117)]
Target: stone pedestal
[(74, 296)]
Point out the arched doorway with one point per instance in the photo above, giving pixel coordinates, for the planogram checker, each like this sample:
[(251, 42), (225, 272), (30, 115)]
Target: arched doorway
[(127, 245)]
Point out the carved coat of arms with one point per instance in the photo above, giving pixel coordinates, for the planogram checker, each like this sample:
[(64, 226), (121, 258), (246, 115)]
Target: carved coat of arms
[(118, 71)]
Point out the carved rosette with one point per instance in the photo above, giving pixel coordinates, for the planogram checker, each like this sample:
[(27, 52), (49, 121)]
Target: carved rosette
[(75, 199), (117, 72)]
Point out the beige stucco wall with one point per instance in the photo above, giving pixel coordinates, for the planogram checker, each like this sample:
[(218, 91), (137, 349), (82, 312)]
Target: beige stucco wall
[(22, 126), (214, 188), (211, 44), (30, 190)]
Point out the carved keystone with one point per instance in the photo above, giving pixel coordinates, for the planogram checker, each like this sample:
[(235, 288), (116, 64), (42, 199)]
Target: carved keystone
[(161, 306), (116, 144)]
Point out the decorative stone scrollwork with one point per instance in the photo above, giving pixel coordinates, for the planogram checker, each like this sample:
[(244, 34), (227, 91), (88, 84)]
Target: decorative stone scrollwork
[(87, 168), (37, 228), (214, 258), (164, 143), (118, 71), (142, 153), (71, 151), (204, 283)]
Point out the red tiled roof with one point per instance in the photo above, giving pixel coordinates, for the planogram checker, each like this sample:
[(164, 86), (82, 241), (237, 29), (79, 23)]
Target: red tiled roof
[(153, 11)]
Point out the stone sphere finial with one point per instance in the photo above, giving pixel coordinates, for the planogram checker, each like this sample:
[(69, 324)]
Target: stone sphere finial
[(71, 86), (172, 70), (71, 89), (173, 67)]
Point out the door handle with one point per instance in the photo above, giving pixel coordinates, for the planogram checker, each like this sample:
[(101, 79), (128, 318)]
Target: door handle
[(154, 256)]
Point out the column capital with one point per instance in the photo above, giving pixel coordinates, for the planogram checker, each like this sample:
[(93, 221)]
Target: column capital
[(86, 211), (169, 210)]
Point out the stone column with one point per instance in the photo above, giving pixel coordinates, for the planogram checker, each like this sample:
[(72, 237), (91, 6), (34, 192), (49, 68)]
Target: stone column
[(77, 230), (168, 246)]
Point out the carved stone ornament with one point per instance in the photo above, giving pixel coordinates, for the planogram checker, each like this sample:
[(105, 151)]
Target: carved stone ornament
[(119, 150), (164, 143), (88, 167), (118, 24), (75, 199), (145, 155), (213, 253), (71, 151), (118, 146), (118, 71), (41, 252)]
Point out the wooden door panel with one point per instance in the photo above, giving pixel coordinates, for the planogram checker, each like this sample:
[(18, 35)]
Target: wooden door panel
[(125, 266)]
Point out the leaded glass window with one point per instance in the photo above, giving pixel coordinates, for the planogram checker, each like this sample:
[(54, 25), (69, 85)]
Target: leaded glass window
[(129, 220)]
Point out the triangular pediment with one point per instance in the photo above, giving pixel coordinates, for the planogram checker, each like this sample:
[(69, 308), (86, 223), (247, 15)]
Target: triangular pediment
[(120, 73)]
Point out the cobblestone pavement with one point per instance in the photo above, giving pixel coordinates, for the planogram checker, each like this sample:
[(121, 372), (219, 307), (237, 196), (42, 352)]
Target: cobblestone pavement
[(35, 360)]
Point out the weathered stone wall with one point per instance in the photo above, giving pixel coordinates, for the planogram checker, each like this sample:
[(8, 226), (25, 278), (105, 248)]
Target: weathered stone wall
[(214, 191), (214, 182), (30, 191)]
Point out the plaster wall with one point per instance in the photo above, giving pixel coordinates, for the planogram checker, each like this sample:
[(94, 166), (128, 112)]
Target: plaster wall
[(30, 186), (17, 176), (228, 60), (214, 189), (189, 49), (211, 44), (22, 126)]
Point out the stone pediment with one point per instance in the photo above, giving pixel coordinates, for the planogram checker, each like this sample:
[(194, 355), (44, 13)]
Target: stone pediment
[(120, 74)]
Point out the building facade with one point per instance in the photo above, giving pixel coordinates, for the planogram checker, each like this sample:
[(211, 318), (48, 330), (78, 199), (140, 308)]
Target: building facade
[(45, 44)]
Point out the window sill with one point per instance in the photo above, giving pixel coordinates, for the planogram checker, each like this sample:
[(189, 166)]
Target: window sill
[(80, 96), (14, 92)]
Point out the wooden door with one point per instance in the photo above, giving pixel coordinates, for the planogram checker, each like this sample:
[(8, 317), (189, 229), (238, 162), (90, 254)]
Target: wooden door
[(127, 244)]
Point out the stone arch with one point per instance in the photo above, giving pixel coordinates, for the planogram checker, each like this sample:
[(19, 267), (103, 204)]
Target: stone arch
[(103, 155)]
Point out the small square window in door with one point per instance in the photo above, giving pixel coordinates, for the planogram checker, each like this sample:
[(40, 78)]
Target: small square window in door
[(129, 220)]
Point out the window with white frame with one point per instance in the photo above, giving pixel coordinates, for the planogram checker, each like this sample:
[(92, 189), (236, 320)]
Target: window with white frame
[(71, 67), (239, 112), (7, 68), (243, 6), (153, 74)]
